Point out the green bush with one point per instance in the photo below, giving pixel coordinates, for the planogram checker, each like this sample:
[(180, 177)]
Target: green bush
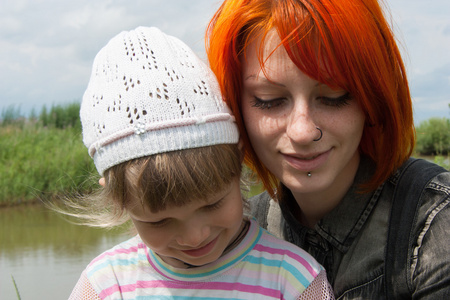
[(433, 137), (442, 161)]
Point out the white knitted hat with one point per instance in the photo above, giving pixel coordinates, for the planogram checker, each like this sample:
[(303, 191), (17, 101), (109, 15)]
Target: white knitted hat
[(149, 93)]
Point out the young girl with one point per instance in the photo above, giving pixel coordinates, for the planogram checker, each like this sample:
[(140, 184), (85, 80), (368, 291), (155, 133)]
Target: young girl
[(164, 141)]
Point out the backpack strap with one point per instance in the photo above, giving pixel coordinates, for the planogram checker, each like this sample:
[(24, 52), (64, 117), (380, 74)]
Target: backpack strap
[(414, 176)]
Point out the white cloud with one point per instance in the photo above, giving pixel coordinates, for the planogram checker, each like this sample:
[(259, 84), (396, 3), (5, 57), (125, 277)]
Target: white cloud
[(421, 28), (47, 46), (424, 109)]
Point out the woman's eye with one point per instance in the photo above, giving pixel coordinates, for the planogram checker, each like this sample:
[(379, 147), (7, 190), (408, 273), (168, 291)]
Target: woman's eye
[(267, 104), (336, 102)]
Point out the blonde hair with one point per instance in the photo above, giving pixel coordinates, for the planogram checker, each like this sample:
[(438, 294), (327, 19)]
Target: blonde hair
[(158, 181)]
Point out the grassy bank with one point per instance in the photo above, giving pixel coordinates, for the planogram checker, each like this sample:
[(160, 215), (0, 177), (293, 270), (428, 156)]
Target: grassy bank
[(39, 161), (43, 156)]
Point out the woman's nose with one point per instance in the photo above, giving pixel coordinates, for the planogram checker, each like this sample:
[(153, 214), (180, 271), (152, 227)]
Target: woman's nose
[(194, 234), (300, 127)]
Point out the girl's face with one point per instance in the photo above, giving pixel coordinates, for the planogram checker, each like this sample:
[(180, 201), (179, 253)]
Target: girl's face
[(282, 112), (196, 233)]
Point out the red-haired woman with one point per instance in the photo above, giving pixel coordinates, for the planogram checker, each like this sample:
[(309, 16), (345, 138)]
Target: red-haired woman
[(321, 97)]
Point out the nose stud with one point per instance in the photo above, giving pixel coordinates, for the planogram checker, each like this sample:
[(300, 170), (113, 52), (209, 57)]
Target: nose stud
[(320, 137)]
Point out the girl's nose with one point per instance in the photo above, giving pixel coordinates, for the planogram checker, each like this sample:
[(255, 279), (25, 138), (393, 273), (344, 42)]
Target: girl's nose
[(194, 234)]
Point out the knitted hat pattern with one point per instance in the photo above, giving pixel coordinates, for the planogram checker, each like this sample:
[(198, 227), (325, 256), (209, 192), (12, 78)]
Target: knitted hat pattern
[(149, 93)]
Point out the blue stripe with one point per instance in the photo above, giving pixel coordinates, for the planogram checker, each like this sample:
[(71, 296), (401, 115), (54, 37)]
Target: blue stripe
[(213, 271), (279, 264), (112, 263)]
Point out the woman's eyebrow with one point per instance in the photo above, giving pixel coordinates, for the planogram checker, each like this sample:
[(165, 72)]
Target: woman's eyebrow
[(256, 77)]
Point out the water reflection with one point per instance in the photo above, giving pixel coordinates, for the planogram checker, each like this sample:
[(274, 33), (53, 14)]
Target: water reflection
[(45, 253)]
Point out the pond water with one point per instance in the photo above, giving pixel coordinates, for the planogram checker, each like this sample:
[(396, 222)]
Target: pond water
[(44, 253)]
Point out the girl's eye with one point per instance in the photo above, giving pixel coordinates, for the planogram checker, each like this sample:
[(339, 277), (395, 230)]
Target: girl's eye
[(214, 206), (159, 223), (266, 104), (336, 102)]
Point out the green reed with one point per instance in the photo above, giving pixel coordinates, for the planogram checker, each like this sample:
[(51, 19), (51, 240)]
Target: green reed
[(38, 161), (15, 287)]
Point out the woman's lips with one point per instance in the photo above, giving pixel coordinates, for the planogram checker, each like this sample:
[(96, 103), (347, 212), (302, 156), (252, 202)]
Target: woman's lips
[(202, 250), (306, 163)]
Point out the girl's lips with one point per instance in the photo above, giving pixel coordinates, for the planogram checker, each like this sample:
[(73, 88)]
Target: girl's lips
[(202, 250), (306, 163)]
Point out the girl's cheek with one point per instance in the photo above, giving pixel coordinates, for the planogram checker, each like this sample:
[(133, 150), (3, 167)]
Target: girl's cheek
[(156, 240), (150, 236)]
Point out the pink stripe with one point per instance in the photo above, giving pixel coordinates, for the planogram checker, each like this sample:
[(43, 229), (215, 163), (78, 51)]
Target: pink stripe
[(222, 286), (109, 291), (131, 287), (155, 268), (117, 251), (291, 254), (158, 126)]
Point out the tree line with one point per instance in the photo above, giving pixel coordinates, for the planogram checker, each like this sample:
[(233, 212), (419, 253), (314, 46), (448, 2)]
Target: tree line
[(43, 155)]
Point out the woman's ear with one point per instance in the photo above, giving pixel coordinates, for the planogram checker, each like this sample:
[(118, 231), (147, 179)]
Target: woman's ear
[(101, 181)]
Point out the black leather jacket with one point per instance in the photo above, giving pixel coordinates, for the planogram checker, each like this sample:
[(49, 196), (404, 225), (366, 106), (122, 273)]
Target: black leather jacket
[(350, 241)]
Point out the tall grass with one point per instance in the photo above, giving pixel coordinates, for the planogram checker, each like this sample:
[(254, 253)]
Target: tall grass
[(38, 160), (11, 115), (43, 155)]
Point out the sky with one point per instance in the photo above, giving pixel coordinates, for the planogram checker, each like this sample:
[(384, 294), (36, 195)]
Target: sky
[(47, 46)]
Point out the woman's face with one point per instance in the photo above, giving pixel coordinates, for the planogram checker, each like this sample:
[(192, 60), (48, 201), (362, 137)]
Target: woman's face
[(282, 112)]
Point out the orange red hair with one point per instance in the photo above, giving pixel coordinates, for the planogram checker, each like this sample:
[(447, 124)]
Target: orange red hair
[(347, 44)]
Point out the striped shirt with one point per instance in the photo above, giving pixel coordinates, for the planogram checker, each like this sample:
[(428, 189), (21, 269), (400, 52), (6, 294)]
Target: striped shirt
[(260, 267)]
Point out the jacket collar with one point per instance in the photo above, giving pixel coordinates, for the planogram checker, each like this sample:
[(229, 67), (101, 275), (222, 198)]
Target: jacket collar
[(343, 223)]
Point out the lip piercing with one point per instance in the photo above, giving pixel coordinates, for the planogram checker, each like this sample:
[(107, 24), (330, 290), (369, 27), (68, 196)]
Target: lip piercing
[(309, 174), (320, 137)]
